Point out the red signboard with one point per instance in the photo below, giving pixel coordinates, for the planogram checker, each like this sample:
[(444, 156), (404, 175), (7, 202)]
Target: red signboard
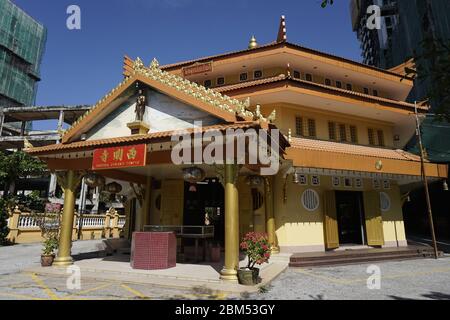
[(120, 157)]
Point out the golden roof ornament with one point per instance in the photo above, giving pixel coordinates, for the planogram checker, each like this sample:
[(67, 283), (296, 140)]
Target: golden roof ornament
[(154, 64), (138, 64), (252, 44)]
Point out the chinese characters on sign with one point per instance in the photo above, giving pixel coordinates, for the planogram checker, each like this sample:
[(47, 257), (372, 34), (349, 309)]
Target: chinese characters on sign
[(119, 157)]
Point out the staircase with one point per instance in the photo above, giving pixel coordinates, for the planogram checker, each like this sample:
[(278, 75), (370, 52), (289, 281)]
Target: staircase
[(358, 256)]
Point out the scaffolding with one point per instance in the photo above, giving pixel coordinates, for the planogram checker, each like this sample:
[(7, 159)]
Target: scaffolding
[(22, 45)]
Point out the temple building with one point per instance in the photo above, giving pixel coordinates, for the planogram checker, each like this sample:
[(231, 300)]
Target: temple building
[(341, 175)]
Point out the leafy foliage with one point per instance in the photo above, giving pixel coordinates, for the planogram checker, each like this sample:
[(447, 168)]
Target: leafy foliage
[(49, 225), (50, 245), (433, 65), (4, 230), (256, 246), (326, 3), (18, 165)]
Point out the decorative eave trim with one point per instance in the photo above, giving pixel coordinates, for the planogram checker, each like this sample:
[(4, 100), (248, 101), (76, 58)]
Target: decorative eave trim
[(222, 106)]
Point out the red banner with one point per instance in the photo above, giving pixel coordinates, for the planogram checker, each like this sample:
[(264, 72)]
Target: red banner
[(120, 157)]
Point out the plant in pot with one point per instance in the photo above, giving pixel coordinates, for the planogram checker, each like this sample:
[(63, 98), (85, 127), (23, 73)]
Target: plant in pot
[(50, 245), (49, 225), (257, 248)]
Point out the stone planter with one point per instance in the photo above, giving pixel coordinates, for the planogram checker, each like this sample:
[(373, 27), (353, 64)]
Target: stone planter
[(248, 277), (47, 260)]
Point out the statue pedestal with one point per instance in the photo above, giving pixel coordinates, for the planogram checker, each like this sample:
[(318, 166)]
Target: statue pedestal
[(138, 127)]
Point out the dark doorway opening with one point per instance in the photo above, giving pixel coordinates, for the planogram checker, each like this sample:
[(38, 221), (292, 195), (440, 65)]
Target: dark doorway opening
[(350, 217), (205, 197)]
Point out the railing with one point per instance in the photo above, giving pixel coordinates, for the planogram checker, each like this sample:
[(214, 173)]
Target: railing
[(25, 227), (183, 231)]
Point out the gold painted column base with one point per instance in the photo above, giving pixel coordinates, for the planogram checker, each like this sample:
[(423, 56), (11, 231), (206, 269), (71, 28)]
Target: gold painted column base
[(275, 250), (63, 261), (229, 275)]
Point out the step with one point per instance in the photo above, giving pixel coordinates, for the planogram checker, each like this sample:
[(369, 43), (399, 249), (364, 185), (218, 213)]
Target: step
[(358, 260), (341, 255)]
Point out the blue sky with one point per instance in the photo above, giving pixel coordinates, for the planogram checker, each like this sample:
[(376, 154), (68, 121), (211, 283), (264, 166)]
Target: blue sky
[(80, 66)]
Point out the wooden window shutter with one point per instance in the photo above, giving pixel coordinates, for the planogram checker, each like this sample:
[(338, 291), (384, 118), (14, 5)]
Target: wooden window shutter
[(330, 221), (374, 221)]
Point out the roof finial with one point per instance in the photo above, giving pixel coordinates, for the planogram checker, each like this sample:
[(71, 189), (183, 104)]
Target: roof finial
[(252, 44), (282, 37)]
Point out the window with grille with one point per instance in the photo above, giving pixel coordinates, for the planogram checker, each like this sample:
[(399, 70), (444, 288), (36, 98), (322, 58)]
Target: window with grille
[(366, 90), (380, 136), (375, 93), (308, 77), (220, 81), (332, 130), (243, 76), (312, 128), (353, 134), (342, 132), (349, 87), (338, 84), (296, 74), (371, 137), (328, 82), (299, 126)]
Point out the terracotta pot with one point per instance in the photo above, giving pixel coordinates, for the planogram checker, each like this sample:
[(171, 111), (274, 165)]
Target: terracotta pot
[(47, 260), (246, 276)]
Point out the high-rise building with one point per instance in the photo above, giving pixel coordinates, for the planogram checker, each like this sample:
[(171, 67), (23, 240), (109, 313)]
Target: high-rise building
[(404, 26), (22, 44)]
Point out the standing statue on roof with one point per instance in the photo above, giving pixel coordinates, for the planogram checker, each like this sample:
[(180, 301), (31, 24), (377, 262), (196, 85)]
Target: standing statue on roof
[(140, 105)]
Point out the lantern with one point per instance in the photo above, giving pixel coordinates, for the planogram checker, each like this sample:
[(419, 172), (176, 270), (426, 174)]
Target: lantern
[(254, 181), (94, 180), (193, 175), (113, 187)]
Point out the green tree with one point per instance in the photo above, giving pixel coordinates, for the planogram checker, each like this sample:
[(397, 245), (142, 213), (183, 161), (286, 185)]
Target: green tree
[(4, 230), (16, 165)]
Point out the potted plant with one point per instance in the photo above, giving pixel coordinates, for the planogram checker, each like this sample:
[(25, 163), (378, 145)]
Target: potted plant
[(257, 248), (50, 245), (49, 225)]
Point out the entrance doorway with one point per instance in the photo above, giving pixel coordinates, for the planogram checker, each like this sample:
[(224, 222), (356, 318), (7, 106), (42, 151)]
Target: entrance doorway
[(204, 197), (350, 218)]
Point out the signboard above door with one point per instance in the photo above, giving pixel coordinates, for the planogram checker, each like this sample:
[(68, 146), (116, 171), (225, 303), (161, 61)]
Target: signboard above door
[(197, 69), (119, 157)]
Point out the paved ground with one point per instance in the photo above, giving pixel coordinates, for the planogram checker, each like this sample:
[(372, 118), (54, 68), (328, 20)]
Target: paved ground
[(413, 279)]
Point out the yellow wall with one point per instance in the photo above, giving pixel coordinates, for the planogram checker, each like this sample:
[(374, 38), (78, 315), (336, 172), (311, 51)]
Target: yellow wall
[(286, 114), (299, 230)]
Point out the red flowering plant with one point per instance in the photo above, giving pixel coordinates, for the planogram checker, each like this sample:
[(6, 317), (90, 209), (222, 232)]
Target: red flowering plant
[(256, 246)]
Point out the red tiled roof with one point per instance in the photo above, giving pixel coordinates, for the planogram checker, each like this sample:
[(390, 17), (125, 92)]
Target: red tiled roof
[(144, 138), (277, 44), (336, 147), (283, 77)]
